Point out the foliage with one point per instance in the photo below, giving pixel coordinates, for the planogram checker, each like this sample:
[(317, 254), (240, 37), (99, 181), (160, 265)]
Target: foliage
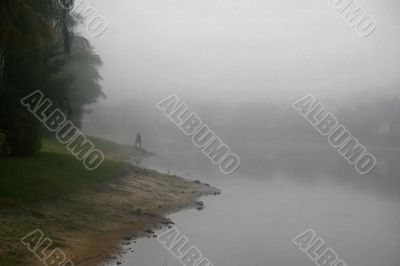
[(73, 82), (4, 147), (40, 51)]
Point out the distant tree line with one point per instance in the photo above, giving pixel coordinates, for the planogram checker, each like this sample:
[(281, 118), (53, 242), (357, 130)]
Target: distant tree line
[(40, 50)]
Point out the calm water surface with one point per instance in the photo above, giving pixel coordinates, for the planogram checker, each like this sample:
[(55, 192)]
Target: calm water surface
[(254, 220)]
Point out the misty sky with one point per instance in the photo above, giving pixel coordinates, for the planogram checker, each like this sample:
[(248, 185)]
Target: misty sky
[(245, 51)]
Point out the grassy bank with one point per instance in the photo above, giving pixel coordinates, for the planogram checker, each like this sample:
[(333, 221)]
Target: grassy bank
[(51, 173), (86, 213)]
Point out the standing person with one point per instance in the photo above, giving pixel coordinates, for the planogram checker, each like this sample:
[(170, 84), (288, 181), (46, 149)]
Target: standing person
[(138, 142)]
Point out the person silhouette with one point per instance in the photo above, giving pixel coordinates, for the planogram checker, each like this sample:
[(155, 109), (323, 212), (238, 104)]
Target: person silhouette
[(138, 142)]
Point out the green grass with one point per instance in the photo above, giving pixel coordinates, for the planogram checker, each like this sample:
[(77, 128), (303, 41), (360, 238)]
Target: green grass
[(52, 178), (106, 146), (53, 172)]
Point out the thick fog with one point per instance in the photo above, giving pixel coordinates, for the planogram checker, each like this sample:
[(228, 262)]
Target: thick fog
[(200, 132), (245, 51), (240, 65)]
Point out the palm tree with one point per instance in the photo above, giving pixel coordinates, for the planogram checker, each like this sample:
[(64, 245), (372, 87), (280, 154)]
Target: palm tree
[(74, 82), (27, 30), (39, 51), (28, 27)]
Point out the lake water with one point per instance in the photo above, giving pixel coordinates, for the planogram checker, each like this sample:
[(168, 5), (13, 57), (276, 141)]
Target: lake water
[(261, 209)]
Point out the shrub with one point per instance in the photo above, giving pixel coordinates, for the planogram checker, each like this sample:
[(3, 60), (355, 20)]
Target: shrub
[(4, 147)]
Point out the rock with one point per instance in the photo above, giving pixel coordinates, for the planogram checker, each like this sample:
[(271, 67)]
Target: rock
[(149, 231), (167, 221), (200, 203)]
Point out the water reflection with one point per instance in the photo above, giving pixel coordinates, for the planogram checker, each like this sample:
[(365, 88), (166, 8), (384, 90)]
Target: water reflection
[(266, 204)]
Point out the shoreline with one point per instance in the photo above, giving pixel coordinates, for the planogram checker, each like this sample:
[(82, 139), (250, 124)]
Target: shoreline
[(141, 224), (88, 215), (102, 220)]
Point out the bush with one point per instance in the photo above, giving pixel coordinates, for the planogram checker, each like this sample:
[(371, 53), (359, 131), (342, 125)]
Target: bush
[(25, 139), (4, 147), (22, 129)]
